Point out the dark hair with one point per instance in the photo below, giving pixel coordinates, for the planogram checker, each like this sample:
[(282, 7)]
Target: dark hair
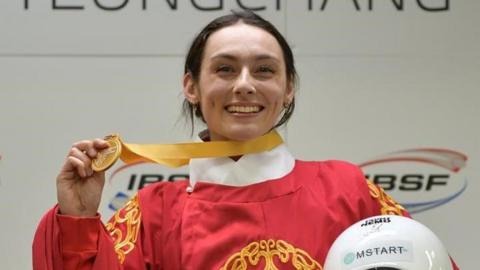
[(194, 57)]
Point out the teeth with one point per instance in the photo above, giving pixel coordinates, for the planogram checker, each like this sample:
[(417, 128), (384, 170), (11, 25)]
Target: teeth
[(243, 109)]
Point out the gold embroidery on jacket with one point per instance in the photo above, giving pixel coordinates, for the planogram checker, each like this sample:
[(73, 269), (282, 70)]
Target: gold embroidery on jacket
[(388, 205), (124, 227), (252, 254)]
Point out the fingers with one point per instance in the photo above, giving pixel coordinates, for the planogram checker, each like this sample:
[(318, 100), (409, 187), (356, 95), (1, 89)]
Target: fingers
[(78, 166), (100, 144), (84, 159), (80, 156), (89, 147)]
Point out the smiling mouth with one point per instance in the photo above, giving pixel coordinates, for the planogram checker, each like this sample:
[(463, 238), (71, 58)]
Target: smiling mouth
[(244, 109)]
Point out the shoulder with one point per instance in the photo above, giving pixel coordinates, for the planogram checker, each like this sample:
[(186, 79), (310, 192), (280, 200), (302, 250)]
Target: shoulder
[(334, 177), (348, 180), (338, 170), (339, 166)]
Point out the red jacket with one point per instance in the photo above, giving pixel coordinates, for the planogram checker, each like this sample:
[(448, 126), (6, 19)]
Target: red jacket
[(289, 222)]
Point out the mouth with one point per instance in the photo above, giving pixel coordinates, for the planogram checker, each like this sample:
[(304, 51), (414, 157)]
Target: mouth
[(244, 109)]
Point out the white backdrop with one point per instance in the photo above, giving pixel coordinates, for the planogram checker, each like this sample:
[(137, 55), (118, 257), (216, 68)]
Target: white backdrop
[(372, 82)]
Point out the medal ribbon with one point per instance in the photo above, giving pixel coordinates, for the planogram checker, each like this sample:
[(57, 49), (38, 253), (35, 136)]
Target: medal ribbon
[(176, 155)]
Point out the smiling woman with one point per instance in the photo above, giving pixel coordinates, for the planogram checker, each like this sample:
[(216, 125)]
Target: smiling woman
[(243, 85), (244, 63), (260, 210)]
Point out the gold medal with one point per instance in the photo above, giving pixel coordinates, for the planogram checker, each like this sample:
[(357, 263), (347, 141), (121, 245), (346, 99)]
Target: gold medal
[(176, 155), (108, 156)]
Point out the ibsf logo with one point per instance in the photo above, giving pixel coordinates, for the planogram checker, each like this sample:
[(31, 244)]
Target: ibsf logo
[(127, 179), (419, 179)]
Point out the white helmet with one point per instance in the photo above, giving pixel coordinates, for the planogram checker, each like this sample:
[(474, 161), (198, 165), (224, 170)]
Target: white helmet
[(387, 243)]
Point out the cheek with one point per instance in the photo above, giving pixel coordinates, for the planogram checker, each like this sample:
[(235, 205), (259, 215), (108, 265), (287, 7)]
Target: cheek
[(278, 105), (274, 93), (212, 99)]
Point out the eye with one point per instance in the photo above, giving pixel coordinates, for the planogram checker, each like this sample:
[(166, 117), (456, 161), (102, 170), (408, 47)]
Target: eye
[(224, 69), (265, 69)]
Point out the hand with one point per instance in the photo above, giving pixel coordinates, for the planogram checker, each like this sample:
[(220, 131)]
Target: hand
[(79, 188)]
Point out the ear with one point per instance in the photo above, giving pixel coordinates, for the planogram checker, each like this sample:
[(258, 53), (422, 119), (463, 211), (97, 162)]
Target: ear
[(289, 93), (190, 90)]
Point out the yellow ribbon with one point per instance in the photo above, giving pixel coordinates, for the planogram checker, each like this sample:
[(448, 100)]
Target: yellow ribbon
[(176, 155)]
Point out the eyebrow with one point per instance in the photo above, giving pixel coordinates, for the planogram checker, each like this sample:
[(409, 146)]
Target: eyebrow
[(257, 57)]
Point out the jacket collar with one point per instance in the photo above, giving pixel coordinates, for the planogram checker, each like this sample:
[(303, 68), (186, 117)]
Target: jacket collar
[(249, 169)]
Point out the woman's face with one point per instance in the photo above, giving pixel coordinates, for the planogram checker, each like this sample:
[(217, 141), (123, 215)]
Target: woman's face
[(242, 85)]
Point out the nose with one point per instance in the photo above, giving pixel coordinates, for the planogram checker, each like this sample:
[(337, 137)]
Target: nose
[(244, 83)]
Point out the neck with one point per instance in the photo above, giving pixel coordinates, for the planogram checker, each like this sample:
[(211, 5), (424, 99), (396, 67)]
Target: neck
[(205, 136)]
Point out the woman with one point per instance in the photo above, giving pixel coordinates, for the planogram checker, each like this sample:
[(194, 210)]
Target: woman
[(261, 211)]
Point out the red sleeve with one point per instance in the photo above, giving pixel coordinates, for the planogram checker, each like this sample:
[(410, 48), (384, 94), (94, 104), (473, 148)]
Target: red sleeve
[(79, 240), (65, 242), (46, 249)]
